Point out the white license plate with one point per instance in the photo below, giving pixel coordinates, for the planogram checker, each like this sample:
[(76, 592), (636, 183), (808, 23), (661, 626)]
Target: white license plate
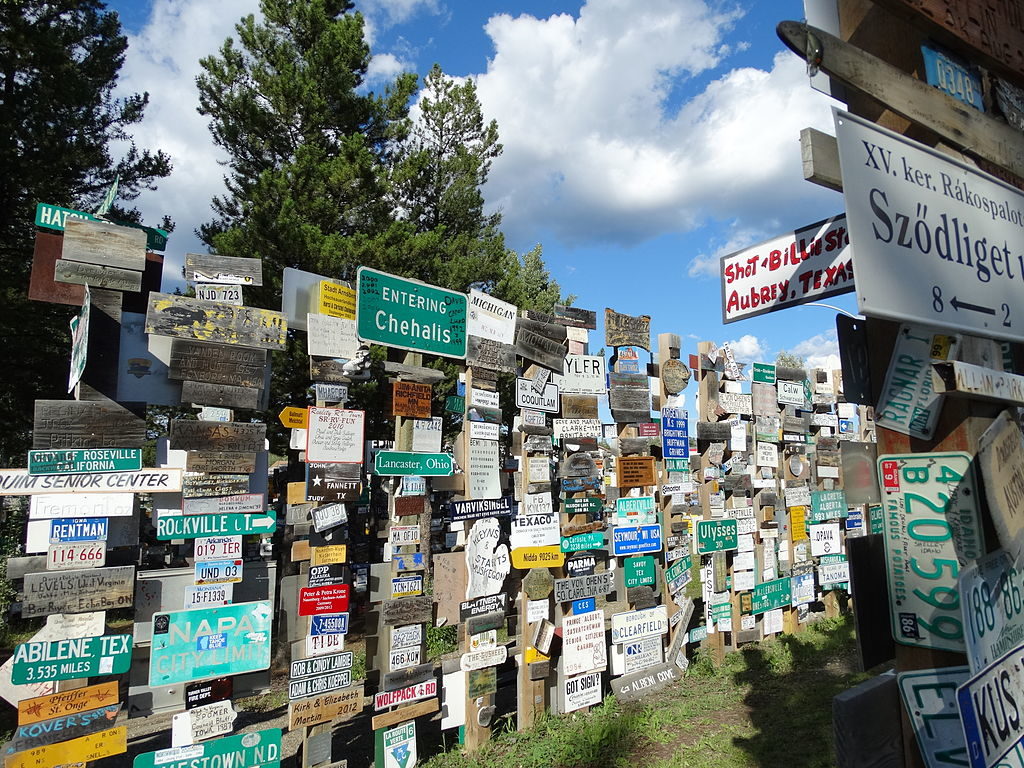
[(86, 554), (931, 527), (992, 591)]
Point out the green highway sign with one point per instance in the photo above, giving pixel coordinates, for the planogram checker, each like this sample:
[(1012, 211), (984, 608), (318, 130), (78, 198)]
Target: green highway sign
[(408, 314), (210, 642), (639, 571), (53, 217), (587, 505), (771, 595), (721, 611), (70, 659), (716, 535), (455, 404), (200, 526), (677, 465), (583, 541), (678, 568), (827, 505), (764, 373), (76, 461), (260, 748), (402, 463)]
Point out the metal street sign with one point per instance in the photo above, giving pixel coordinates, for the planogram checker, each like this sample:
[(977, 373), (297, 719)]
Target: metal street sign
[(262, 748), (320, 665), (408, 314), (75, 461), (934, 236), (210, 642), (716, 535), (174, 526), (931, 525), (636, 540), (70, 659), (579, 587), (770, 595), (401, 463), (314, 686), (64, 531)]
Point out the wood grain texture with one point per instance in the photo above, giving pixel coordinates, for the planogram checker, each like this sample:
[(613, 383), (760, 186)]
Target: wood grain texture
[(223, 270), (866, 725), (182, 317), (222, 395), (87, 424), (217, 363), (191, 435), (81, 273), (99, 242)]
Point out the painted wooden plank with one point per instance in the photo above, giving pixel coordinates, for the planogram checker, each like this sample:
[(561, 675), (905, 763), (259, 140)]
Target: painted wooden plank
[(42, 286), (223, 395), (972, 131), (81, 273), (403, 678), (819, 154), (575, 317), (221, 461), (539, 348), (99, 242), (182, 317), (416, 373), (223, 270), (89, 589), (190, 435), (407, 610), (217, 363), (958, 379), (86, 424), (866, 725), (406, 713)]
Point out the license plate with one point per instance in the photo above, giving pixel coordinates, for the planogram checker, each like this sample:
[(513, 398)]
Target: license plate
[(929, 697), (909, 403), (90, 554), (218, 572), (992, 591), (990, 712), (207, 596), (931, 526)]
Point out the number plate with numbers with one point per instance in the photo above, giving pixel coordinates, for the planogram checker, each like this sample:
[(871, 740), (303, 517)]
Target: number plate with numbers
[(931, 527), (87, 554), (992, 591)]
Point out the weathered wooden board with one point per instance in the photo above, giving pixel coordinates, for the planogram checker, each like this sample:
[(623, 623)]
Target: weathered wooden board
[(640, 684), (627, 331), (575, 317), (403, 678), (550, 330), (81, 273), (710, 430), (490, 354), (90, 589), (579, 407), (819, 154), (217, 363), (41, 286), (186, 318), (328, 371), (538, 348), (415, 373), (972, 131), (64, 703), (222, 395), (959, 379), (223, 270), (189, 435), (231, 462), (406, 713), (87, 424), (407, 610), (635, 471), (99, 242), (63, 728)]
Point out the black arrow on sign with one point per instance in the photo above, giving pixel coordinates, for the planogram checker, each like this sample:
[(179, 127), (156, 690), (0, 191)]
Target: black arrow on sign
[(957, 305)]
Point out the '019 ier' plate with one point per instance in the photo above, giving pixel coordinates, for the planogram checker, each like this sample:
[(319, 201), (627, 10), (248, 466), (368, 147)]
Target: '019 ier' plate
[(932, 527)]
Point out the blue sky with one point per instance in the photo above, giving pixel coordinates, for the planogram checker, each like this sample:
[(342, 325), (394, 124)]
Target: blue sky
[(643, 139)]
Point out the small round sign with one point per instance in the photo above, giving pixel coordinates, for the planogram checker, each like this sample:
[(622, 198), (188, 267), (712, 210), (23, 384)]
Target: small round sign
[(796, 465), (675, 375)]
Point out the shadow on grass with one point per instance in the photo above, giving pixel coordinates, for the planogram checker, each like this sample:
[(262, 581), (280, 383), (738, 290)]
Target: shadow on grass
[(790, 682)]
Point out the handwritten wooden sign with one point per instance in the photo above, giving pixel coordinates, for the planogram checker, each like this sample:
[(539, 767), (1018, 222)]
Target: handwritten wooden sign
[(575, 317), (538, 347), (98, 276), (336, 706), (99, 242), (217, 363), (186, 318), (189, 435), (407, 610), (90, 589), (626, 330), (490, 354), (228, 462), (410, 399), (635, 471), (86, 424), (223, 270), (221, 395)]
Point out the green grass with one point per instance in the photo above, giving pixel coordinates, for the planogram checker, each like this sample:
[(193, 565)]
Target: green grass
[(767, 705), (264, 702)]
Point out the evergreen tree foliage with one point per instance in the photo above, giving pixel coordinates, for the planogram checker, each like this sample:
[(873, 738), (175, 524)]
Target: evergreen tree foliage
[(63, 138)]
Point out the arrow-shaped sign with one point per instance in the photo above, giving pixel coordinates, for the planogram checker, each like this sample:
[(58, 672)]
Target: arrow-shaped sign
[(296, 418)]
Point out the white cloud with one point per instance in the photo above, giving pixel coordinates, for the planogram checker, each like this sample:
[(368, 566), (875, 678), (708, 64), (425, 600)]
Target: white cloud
[(748, 349), (384, 67), (593, 150), (163, 59), (398, 11), (820, 350), (704, 265)]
